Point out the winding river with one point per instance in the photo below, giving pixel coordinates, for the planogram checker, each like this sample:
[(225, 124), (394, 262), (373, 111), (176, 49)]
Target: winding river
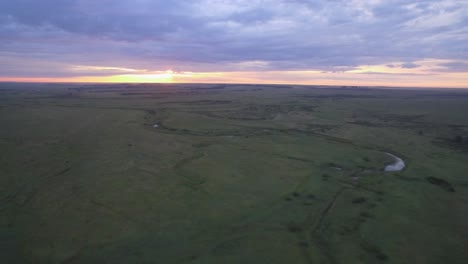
[(398, 165)]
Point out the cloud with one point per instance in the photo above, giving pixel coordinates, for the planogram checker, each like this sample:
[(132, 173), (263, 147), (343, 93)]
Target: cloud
[(409, 65), (216, 35), (456, 66)]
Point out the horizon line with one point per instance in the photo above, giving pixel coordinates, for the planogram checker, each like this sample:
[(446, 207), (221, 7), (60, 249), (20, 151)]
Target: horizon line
[(351, 86)]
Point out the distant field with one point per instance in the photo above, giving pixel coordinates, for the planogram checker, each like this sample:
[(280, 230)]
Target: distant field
[(232, 174)]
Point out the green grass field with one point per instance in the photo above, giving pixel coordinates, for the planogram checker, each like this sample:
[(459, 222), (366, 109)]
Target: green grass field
[(232, 174)]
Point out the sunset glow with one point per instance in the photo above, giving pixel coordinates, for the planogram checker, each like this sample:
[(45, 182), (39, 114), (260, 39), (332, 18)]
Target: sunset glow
[(378, 75)]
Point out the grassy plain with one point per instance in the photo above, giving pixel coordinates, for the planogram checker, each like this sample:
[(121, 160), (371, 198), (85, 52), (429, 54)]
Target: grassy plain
[(232, 174)]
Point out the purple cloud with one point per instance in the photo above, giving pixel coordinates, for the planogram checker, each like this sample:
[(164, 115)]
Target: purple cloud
[(409, 65), (209, 35)]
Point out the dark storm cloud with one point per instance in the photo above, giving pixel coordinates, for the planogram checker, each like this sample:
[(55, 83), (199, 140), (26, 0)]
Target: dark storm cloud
[(227, 35)]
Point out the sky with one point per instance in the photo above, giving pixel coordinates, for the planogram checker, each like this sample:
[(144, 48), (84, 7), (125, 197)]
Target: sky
[(324, 42)]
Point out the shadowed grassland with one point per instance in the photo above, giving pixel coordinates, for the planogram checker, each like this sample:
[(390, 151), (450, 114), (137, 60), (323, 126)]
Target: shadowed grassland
[(232, 174)]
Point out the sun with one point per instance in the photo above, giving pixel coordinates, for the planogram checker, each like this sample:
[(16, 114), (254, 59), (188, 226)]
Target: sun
[(156, 77), (163, 76)]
